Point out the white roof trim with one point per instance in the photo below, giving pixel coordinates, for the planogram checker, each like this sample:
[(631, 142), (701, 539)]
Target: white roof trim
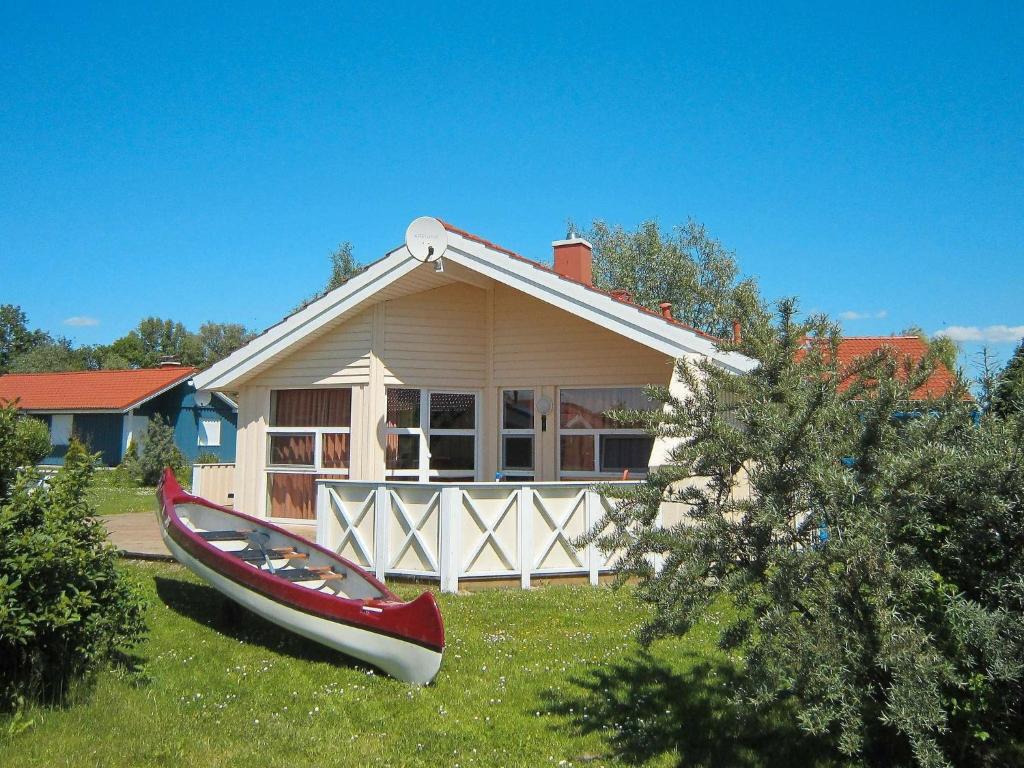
[(159, 392), (593, 306)]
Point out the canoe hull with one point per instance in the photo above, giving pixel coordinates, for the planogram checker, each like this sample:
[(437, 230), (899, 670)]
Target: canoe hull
[(366, 621), (400, 659)]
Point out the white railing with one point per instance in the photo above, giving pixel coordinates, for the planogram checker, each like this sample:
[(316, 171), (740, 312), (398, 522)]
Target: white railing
[(214, 482), (469, 531)]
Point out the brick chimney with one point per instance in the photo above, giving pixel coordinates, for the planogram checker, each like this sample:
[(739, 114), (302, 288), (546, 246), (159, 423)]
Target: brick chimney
[(574, 259)]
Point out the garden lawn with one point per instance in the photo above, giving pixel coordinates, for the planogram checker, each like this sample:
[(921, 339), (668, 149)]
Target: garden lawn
[(552, 676), (111, 495)]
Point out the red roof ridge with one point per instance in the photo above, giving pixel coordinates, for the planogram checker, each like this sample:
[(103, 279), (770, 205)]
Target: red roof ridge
[(544, 267), (182, 368)]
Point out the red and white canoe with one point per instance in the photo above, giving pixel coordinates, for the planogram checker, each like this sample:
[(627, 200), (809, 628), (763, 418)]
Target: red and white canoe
[(300, 586)]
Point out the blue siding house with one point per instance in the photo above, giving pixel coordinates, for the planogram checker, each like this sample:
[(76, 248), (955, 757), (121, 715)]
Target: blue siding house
[(108, 410)]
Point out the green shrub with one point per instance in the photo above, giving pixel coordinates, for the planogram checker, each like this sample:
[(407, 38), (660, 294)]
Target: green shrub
[(874, 547), (24, 441), (207, 457), (159, 451), (128, 471), (65, 609)]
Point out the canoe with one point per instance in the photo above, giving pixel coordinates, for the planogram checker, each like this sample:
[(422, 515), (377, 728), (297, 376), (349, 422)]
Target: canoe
[(300, 586)]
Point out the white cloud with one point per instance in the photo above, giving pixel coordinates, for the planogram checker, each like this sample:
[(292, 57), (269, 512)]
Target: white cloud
[(81, 320), (851, 315), (993, 333)]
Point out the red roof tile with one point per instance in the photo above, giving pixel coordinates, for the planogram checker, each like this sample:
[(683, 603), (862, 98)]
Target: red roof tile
[(89, 390), (941, 380), (618, 296)]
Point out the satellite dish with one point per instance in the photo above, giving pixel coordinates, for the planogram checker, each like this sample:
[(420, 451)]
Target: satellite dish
[(427, 239), (203, 397)]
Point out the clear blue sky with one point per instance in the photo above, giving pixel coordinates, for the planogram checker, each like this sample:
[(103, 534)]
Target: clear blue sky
[(200, 164)]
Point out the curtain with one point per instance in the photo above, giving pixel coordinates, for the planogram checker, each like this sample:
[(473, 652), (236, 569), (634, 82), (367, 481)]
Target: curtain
[(335, 450), (292, 495), (312, 408)]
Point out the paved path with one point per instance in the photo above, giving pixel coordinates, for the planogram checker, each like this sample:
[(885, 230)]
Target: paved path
[(136, 534)]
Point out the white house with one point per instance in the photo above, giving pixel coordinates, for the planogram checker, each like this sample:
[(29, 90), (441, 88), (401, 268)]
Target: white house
[(466, 393)]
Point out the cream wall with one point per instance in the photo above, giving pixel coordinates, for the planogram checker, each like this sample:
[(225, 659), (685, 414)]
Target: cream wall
[(458, 336)]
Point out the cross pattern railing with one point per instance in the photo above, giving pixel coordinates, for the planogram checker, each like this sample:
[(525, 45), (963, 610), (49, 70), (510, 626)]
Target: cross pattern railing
[(467, 531)]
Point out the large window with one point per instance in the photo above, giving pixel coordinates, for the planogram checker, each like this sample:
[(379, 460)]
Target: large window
[(431, 435), (517, 434), (591, 443), (309, 437)]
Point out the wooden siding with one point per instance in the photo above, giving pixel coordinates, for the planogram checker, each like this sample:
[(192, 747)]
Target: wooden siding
[(340, 356), (436, 338), (536, 343)]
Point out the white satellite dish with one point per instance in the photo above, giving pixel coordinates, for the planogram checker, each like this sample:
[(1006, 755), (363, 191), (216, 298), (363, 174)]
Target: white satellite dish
[(203, 397), (427, 239)]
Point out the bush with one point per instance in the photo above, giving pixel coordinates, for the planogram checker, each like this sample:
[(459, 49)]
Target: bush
[(65, 609), (208, 457), (875, 550), (24, 441), (158, 451), (128, 471)]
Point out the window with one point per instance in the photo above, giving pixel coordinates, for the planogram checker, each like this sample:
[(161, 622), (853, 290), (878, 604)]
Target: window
[(431, 435), (517, 434), (209, 432), (591, 443), (60, 428), (308, 437)]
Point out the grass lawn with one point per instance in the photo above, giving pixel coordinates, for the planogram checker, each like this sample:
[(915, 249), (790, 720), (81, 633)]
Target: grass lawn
[(113, 498), (552, 676)]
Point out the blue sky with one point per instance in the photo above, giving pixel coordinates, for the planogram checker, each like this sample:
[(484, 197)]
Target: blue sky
[(200, 164)]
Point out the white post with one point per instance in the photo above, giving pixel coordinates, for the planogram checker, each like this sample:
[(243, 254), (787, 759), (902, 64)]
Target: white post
[(591, 511), (381, 519), (525, 535), (197, 473), (658, 561), (448, 538), (323, 515)]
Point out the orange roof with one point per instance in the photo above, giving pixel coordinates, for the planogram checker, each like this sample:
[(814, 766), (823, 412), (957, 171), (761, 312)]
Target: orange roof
[(941, 380), (89, 390)]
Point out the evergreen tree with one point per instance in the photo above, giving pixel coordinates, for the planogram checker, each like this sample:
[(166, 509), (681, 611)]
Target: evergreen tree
[(158, 452), (876, 562), (1008, 398)]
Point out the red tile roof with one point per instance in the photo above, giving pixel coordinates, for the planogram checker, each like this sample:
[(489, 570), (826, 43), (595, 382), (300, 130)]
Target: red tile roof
[(939, 382), (619, 296), (89, 390)]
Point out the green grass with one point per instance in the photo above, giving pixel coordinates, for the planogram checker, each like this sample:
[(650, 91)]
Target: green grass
[(549, 677), (113, 496)]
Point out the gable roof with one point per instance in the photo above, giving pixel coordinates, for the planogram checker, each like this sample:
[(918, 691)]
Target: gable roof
[(90, 390), (941, 380), (483, 257)]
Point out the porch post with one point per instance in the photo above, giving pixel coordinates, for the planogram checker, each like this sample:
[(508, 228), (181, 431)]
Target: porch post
[(592, 507), (322, 515), (525, 511), (381, 516), (448, 543)]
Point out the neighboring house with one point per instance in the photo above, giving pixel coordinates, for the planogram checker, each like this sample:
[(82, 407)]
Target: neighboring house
[(903, 348), (108, 409), (491, 366)]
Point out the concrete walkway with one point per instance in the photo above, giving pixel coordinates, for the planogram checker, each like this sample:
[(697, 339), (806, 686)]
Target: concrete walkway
[(136, 535)]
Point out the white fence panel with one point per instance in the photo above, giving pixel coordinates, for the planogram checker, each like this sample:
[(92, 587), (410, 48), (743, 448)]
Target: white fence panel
[(468, 531), (214, 482)]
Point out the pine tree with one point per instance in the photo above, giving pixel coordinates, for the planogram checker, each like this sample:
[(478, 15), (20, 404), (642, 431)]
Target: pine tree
[(1008, 398), (158, 452), (873, 547)]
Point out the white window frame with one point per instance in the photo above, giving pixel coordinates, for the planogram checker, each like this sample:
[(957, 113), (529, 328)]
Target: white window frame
[(203, 438), (578, 474), (317, 467), (503, 432), (424, 473)]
